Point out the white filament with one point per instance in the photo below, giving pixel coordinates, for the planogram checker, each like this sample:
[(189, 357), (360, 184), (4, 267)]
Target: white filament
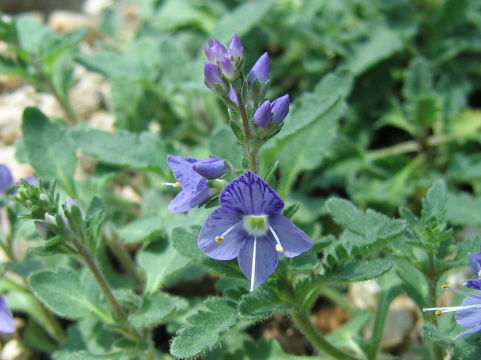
[(253, 269), (279, 246)]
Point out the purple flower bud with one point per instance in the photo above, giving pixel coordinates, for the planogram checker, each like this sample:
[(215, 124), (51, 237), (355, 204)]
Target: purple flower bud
[(215, 51), (260, 70), (6, 178), (236, 50), (228, 68), (212, 76), (211, 168), (280, 109), (262, 116), (50, 219)]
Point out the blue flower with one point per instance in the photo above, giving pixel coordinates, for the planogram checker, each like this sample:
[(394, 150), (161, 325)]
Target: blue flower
[(259, 71), (6, 179), (6, 319), (468, 314), (249, 225), (269, 113), (191, 175)]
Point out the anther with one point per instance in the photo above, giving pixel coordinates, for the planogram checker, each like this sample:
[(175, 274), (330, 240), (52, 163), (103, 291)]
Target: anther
[(219, 239), (279, 248), (438, 313), (445, 287), (177, 184), (479, 274)]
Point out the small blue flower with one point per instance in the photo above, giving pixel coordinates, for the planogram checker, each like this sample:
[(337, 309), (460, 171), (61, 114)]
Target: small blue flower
[(269, 113), (249, 225), (468, 314), (6, 319), (262, 116), (236, 50), (195, 189), (6, 179), (228, 61)]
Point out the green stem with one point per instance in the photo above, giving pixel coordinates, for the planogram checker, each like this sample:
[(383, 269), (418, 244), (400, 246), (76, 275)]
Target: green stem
[(304, 324), (251, 153), (410, 146), (99, 277), (124, 258), (64, 102), (432, 278)]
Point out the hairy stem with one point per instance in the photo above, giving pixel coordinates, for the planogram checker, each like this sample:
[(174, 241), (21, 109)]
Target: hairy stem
[(251, 153), (99, 277), (304, 324), (124, 258), (433, 278)]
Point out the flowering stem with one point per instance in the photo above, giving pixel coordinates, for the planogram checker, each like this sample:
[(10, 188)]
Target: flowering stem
[(433, 278), (251, 153), (304, 324), (124, 258)]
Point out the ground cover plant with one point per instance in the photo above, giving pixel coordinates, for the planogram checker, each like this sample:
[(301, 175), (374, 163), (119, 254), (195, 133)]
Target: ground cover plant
[(279, 180)]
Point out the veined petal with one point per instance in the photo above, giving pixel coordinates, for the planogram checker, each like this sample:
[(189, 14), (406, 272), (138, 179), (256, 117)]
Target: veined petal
[(250, 195), (265, 261), (292, 239), (189, 198), (470, 316), (226, 223), (6, 319)]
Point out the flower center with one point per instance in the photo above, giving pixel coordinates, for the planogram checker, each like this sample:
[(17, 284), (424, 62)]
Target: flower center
[(256, 224)]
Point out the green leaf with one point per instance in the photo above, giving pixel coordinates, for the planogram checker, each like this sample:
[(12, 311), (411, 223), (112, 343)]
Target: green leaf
[(365, 232), (48, 149), (161, 261), (143, 229), (217, 146), (261, 303), (206, 329), (418, 79), (311, 108), (241, 20), (434, 204), (359, 271), (67, 294), (156, 309), (463, 209), (381, 44), (268, 350), (305, 262), (32, 34), (413, 282), (137, 151)]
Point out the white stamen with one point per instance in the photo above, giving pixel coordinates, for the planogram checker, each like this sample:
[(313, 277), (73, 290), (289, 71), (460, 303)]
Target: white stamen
[(253, 270), (221, 237), (479, 274), (176, 184), (448, 309), (279, 247)]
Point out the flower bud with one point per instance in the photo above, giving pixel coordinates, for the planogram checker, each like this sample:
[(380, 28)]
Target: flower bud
[(6, 178), (228, 69), (260, 70), (50, 219), (262, 116), (280, 109), (211, 168), (236, 50), (215, 51), (69, 202), (213, 78)]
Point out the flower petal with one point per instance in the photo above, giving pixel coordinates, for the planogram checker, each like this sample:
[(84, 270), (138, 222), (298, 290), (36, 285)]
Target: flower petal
[(475, 261), (469, 331), (470, 317), (219, 222), (6, 178), (250, 195), (265, 262), (6, 319), (188, 199), (183, 171), (293, 240)]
